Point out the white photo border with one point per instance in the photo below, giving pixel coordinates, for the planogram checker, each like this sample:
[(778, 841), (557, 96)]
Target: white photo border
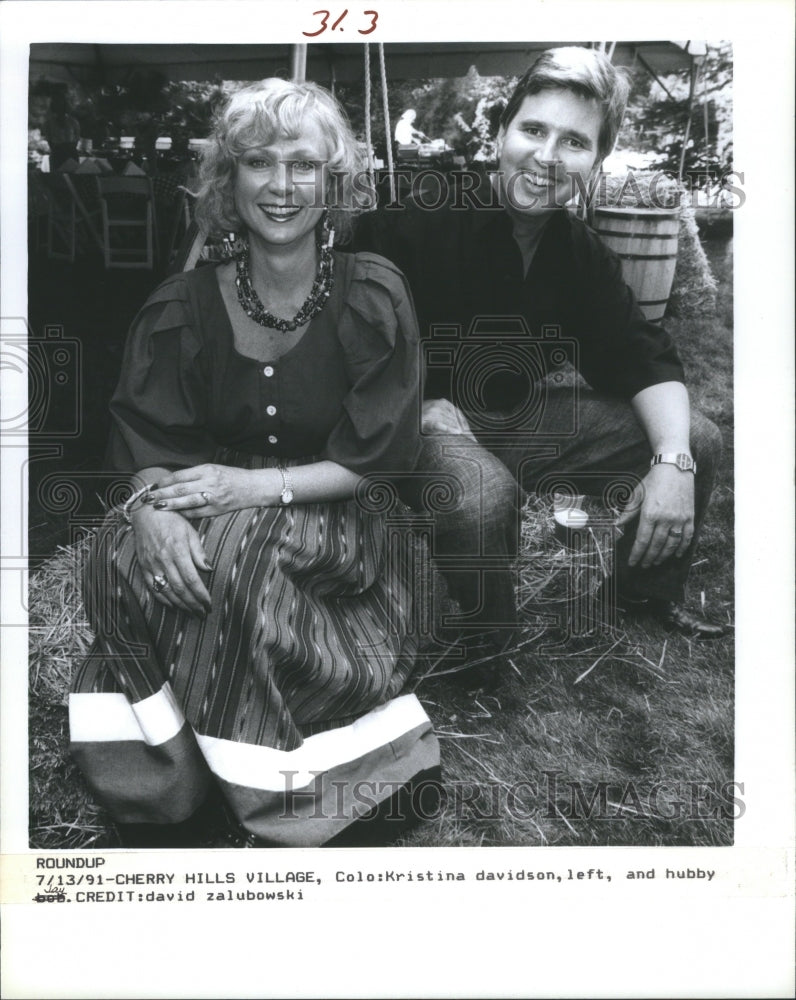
[(730, 939)]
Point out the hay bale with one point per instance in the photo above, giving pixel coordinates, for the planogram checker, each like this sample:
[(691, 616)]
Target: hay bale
[(58, 632), (63, 814), (694, 287)]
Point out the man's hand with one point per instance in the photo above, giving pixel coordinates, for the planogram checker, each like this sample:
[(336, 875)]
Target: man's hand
[(664, 504), (440, 416)]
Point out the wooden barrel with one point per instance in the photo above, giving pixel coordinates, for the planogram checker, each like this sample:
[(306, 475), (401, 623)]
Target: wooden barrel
[(646, 241)]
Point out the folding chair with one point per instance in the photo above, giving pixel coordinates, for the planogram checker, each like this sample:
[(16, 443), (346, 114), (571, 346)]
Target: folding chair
[(61, 219), (38, 211), (89, 216), (128, 221), (174, 205)]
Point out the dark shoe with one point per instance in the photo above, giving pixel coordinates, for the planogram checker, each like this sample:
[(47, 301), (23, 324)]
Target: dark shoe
[(209, 826), (675, 616), (418, 800)]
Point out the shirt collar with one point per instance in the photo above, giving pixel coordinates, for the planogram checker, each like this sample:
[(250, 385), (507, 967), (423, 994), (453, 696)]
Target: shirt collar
[(495, 216)]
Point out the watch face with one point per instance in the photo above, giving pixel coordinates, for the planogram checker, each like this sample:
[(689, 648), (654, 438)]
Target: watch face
[(287, 495), (681, 461)]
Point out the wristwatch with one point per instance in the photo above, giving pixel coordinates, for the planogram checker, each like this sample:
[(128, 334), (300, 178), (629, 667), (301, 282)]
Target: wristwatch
[(683, 462), (286, 496)]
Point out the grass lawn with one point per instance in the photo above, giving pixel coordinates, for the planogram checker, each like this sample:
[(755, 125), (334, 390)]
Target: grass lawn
[(612, 739)]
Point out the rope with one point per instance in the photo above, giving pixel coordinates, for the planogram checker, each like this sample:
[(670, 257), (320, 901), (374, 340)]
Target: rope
[(691, 92), (387, 126), (368, 143), (705, 106)]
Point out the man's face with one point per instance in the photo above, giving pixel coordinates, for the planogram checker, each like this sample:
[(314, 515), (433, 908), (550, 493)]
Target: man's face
[(553, 136)]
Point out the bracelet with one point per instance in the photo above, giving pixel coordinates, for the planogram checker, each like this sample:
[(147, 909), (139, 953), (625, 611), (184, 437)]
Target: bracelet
[(127, 506)]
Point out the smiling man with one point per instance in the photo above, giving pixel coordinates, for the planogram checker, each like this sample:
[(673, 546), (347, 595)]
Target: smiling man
[(521, 285)]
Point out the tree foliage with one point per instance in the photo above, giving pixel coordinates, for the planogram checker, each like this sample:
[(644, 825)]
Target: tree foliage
[(461, 110), (464, 111), (657, 118)]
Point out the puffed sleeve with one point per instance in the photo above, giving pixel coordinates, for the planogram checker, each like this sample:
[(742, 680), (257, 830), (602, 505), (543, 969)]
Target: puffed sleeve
[(159, 408), (624, 352), (379, 430)]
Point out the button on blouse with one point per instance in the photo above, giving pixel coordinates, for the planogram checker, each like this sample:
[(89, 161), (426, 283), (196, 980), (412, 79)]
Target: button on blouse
[(347, 391)]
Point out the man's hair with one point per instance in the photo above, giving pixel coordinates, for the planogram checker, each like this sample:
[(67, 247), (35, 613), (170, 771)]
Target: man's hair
[(586, 72), (260, 114)]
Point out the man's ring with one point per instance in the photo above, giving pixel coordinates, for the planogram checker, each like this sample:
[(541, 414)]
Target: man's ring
[(205, 497), (677, 532), (159, 584)]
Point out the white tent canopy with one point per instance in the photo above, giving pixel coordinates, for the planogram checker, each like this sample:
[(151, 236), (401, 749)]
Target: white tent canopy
[(327, 64)]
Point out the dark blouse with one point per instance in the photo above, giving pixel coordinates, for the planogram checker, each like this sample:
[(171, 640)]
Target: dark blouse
[(464, 268), (347, 391)]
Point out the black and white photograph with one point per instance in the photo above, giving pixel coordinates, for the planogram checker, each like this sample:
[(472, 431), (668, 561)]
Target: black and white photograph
[(376, 531), (550, 372)]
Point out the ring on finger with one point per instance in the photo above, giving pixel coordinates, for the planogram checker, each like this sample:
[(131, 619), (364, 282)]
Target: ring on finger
[(205, 497), (159, 583), (676, 532)]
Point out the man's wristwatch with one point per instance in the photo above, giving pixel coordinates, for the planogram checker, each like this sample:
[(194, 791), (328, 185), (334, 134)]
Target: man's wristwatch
[(683, 462), (286, 496)]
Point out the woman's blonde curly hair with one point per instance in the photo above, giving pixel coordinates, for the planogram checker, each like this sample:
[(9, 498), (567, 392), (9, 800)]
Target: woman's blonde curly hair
[(257, 115)]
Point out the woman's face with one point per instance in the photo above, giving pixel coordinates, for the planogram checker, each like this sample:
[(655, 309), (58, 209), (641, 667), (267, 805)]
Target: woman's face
[(553, 138), (279, 187)]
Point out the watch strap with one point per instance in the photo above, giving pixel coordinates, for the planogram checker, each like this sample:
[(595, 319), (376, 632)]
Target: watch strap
[(681, 459), (286, 496)]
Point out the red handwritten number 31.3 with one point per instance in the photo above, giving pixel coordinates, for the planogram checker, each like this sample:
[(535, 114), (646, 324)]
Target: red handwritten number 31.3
[(325, 15)]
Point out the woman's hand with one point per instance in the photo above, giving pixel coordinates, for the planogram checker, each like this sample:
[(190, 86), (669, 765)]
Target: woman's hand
[(170, 549), (207, 490), (664, 503)]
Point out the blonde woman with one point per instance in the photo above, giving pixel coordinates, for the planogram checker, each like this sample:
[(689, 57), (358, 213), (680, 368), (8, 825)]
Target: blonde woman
[(252, 637)]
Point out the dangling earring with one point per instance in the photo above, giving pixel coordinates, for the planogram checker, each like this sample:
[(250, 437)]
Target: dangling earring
[(232, 245), (327, 230)]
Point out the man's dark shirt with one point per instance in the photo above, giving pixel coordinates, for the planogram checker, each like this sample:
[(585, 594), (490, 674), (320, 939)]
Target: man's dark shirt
[(463, 264)]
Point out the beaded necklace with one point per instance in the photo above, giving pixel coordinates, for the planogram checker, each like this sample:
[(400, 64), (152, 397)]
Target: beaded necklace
[(315, 301)]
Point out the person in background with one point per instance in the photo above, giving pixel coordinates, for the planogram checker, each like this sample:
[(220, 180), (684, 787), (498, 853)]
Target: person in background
[(405, 132), (509, 260), (62, 131)]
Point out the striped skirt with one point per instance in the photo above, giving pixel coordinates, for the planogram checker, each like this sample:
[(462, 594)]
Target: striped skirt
[(287, 695)]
